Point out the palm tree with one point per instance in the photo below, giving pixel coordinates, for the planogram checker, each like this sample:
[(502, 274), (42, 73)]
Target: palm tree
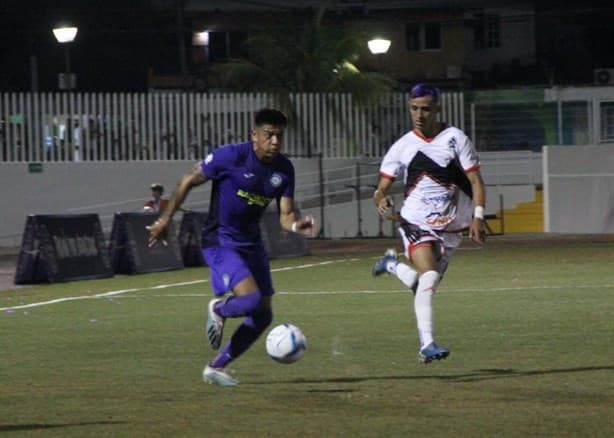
[(318, 59)]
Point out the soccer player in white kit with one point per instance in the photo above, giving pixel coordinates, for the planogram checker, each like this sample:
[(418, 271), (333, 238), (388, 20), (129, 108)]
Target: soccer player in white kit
[(444, 196)]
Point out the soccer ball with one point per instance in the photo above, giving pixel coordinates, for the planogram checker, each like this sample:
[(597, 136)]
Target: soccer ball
[(286, 343)]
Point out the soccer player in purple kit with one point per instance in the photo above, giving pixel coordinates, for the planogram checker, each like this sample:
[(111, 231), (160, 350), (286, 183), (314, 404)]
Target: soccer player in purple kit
[(245, 177)]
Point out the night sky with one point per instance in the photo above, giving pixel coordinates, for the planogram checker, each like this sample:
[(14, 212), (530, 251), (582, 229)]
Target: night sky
[(119, 41), (116, 43)]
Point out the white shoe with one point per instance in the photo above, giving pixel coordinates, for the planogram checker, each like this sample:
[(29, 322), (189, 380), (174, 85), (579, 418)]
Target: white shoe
[(218, 376), (215, 325)]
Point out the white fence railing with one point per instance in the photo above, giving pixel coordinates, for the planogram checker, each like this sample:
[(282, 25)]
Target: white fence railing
[(41, 127)]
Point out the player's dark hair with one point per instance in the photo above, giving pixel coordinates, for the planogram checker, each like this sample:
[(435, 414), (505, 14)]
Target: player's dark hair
[(158, 188), (269, 116), (422, 90)]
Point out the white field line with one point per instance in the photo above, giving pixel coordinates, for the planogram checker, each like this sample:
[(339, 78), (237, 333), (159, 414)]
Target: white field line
[(160, 286), (383, 292), (310, 265)]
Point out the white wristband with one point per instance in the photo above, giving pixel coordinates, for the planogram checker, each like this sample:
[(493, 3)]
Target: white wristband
[(294, 227), (478, 212)]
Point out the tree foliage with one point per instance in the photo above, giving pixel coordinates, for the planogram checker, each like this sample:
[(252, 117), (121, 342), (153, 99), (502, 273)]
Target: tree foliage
[(318, 58)]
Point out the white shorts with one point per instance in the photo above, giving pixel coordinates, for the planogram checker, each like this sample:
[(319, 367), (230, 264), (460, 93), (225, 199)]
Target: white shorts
[(445, 242)]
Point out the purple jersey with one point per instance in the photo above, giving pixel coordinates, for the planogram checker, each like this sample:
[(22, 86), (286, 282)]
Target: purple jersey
[(242, 188)]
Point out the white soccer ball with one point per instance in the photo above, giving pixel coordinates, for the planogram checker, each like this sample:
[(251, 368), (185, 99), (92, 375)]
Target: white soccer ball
[(286, 343)]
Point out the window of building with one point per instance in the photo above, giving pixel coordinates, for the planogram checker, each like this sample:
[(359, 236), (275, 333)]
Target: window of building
[(575, 127), (432, 36), (487, 31), (412, 37), (423, 36), (493, 30), (225, 45), (607, 121)]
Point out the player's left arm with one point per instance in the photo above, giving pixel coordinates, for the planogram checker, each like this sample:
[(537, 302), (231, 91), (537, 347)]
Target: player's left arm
[(477, 228), (289, 222)]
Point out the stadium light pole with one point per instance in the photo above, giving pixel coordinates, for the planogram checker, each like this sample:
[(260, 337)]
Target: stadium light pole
[(65, 35)]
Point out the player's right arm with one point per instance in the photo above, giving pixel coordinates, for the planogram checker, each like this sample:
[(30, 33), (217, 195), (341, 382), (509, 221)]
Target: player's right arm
[(380, 196), (388, 171), (191, 179)]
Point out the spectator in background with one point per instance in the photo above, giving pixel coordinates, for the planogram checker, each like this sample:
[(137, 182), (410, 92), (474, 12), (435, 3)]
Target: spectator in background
[(158, 202)]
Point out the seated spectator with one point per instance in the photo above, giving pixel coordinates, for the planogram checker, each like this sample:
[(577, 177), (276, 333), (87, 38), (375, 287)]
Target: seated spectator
[(157, 203)]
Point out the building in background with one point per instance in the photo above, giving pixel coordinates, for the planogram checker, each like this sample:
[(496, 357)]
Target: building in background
[(450, 43), (149, 44)]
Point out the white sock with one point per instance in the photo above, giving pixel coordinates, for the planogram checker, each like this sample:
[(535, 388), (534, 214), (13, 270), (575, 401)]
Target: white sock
[(391, 266), (406, 274), (423, 306)]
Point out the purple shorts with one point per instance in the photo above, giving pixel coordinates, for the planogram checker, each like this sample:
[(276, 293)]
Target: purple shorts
[(228, 266)]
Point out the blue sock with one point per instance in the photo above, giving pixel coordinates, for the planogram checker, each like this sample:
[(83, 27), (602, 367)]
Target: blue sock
[(243, 337), (235, 306), (223, 358)]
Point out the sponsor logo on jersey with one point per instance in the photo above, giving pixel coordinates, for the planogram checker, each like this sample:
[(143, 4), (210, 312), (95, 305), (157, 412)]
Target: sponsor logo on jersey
[(436, 220), (253, 198)]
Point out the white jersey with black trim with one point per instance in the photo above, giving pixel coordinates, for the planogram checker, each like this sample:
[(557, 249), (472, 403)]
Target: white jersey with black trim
[(438, 194)]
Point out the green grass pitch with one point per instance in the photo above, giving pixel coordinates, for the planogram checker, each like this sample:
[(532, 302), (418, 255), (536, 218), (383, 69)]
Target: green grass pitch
[(530, 328)]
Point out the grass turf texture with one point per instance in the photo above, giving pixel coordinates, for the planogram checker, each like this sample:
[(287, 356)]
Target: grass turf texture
[(529, 326)]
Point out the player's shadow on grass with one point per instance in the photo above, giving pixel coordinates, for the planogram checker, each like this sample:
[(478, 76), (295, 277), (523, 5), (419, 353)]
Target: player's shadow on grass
[(331, 390), (477, 375), (43, 426), (504, 373)]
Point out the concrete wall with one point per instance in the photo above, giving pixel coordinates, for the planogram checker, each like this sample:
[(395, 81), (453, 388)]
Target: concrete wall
[(579, 189), (102, 188), (109, 187)]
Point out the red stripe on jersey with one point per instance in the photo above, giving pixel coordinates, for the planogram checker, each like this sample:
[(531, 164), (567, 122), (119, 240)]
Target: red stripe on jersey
[(472, 168), (415, 183), (419, 135), (385, 175), (420, 177), (442, 126)]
